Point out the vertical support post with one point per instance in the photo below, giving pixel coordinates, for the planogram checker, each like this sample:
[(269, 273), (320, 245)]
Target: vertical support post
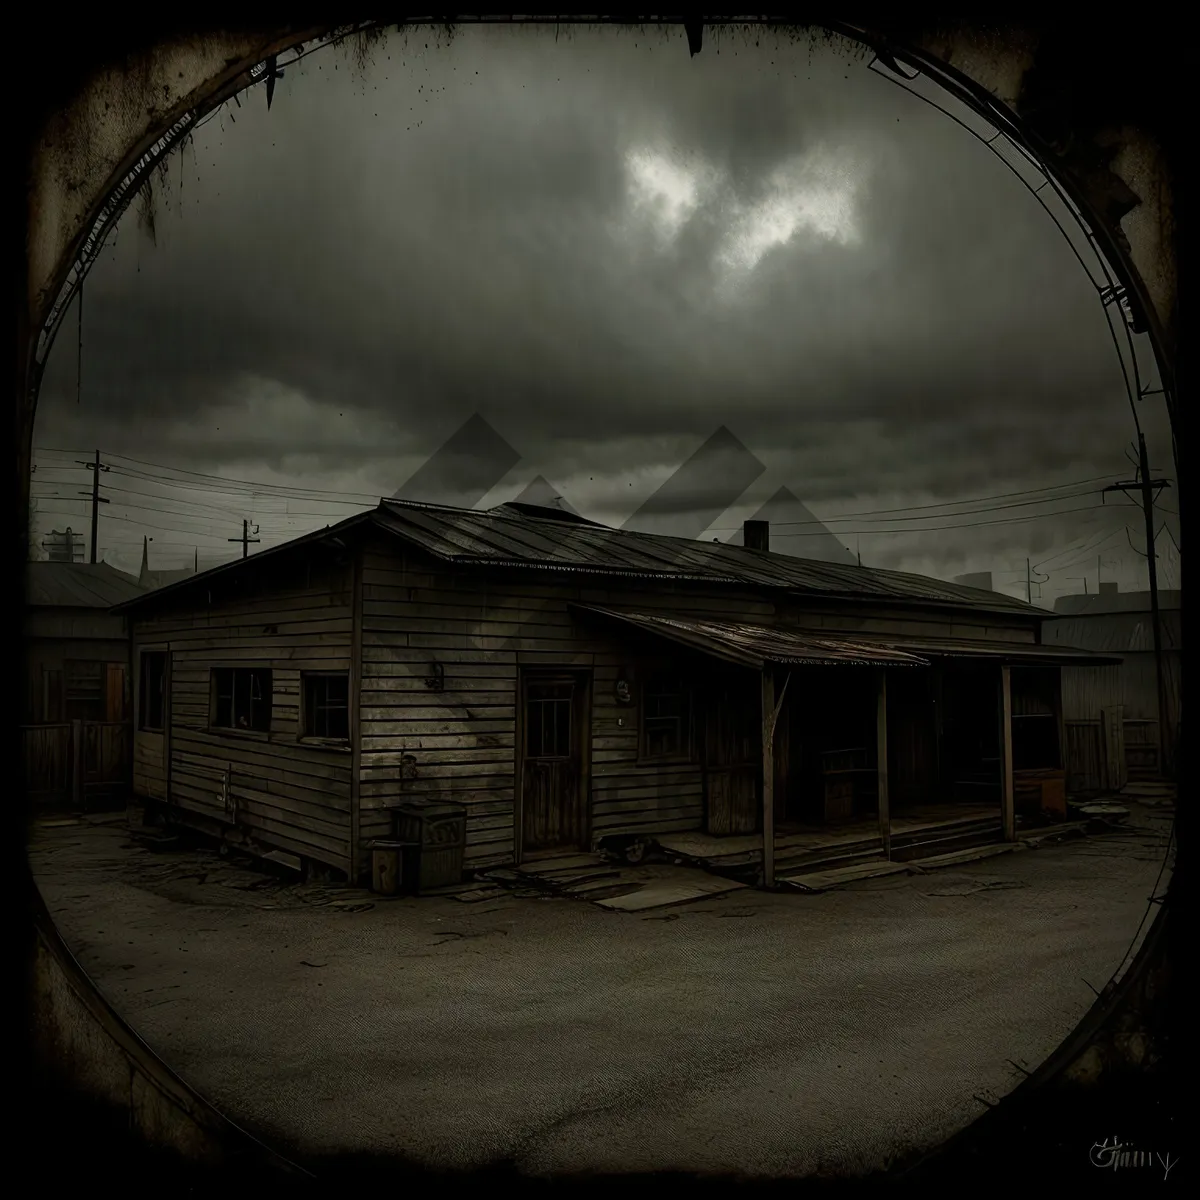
[(168, 720), (356, 654), (768, 776), (1008, 816), (881, 762), (77, 765), (1164, 730)]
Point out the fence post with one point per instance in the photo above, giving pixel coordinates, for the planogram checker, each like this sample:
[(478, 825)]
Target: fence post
[(77, 765)]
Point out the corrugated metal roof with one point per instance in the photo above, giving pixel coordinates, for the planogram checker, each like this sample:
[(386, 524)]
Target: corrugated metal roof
[(502, 537), (754, 645), (512, 538), (78, 585)]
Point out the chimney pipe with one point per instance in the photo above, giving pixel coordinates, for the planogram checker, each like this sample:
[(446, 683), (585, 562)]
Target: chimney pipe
[(756, 535)]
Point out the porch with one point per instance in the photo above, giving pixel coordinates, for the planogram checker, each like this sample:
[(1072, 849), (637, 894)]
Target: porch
[(807, 763)]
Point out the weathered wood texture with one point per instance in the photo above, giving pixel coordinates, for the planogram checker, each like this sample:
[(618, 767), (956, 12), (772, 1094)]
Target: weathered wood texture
[(81, 763), (459, 728), (282, 790)]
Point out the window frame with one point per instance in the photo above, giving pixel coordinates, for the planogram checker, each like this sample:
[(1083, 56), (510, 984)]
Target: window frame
[(142, 724), (568, 701), (305, 732), (266, 676), (667, 683)]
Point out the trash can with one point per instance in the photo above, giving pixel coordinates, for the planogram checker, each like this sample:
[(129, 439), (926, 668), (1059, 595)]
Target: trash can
[(387, 866), (434, 838)]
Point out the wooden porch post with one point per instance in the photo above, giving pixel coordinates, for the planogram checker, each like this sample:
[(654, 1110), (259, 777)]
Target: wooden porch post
[(771, 706), (77, 765), (356, 747), (881, 762), (768, 768), (1007, 810)]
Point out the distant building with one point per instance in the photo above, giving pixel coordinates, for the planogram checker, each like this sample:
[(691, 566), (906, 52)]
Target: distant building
[(977, 579), (76, 647), (1118, 623), (76, 702)]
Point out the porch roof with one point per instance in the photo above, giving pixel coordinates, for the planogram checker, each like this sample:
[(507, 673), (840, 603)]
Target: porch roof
[(757, 645)]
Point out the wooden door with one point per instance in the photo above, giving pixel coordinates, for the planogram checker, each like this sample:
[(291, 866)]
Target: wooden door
[(732, 760), (553, 737)]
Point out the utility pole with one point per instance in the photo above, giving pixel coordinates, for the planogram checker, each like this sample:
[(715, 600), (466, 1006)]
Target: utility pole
[(245, 539), (1146, 486), (1028, 583), (95, 467)]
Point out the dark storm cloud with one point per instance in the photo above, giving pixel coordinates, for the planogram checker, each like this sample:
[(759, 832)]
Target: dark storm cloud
[(359, 271)]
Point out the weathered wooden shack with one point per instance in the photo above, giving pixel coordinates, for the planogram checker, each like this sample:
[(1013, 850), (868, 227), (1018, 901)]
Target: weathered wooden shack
[(1112, 710), (74, 707), (566, 682)]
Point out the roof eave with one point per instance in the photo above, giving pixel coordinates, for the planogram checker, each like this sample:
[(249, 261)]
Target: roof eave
[(309, 539)]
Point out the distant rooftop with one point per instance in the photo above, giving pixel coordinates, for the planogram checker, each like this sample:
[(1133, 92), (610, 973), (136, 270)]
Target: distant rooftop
[(78, 585), (1110, 600)]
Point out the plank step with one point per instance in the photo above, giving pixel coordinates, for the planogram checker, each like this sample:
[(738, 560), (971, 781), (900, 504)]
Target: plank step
[(823, 881), (956, 857)]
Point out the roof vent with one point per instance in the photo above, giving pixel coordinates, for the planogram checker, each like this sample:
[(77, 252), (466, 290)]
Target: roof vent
[(756, 535)]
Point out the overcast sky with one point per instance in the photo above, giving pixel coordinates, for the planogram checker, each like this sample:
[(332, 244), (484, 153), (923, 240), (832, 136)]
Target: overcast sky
[(606, 251)]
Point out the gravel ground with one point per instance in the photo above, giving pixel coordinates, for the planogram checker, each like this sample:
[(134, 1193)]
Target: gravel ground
[(763, 1035)]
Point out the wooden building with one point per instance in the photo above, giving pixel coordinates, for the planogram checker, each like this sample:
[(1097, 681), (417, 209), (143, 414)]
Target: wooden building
[(75, 704), (1111, 710), (566, 682)]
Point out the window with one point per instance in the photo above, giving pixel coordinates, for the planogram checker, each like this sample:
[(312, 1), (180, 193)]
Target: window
[(242, 698), (548, 720), (327, 706), (666, 719), (152, 690)]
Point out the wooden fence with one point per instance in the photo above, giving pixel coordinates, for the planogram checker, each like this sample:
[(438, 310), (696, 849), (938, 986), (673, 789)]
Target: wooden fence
[(79, 765), (1105, 754)]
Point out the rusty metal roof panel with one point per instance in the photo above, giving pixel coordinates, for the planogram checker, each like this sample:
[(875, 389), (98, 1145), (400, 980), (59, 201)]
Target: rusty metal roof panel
[(756, 645)]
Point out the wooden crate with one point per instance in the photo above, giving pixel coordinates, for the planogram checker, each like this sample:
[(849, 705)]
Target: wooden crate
[(840, 796)]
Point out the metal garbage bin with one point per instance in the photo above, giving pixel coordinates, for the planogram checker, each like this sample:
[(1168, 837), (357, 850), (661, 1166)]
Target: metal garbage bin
[(435, 841), (387, 866)]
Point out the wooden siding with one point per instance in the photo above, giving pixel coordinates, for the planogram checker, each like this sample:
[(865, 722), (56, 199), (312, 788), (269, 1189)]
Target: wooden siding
[(461, 739), (284, 792)]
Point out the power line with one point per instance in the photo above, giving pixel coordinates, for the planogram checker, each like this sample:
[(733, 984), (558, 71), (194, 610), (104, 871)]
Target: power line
[(371, 498)]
